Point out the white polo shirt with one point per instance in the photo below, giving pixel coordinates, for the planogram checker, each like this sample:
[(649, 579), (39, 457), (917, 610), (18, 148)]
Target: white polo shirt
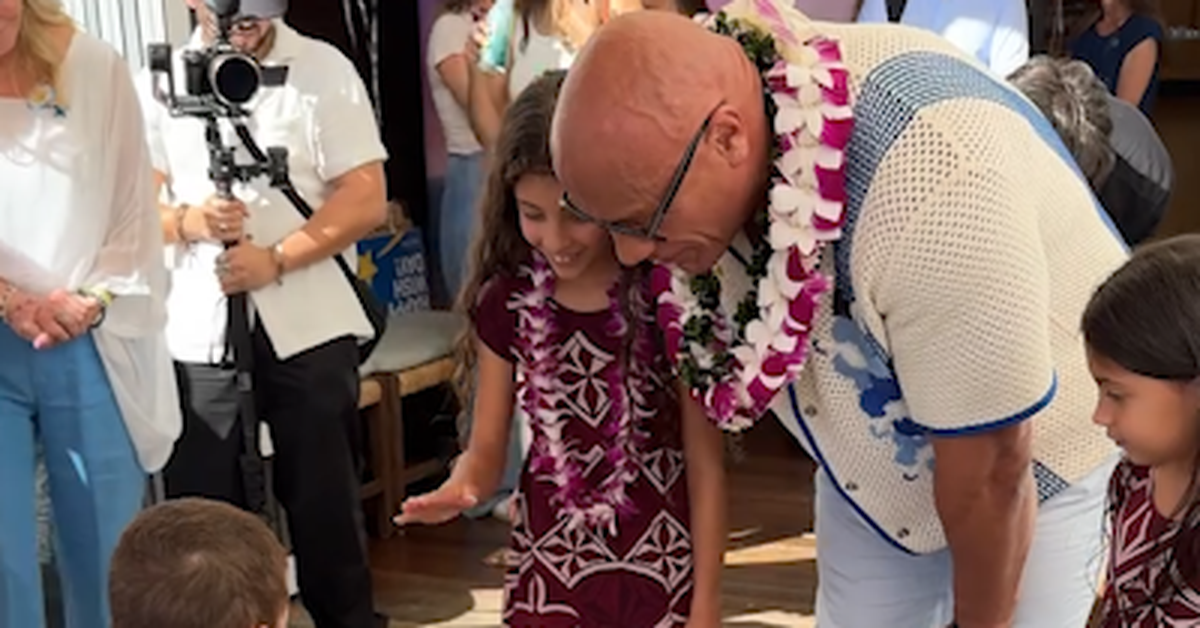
[(323, 116)]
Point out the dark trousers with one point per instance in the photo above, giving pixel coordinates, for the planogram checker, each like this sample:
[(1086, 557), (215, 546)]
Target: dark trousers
[(310, 402)]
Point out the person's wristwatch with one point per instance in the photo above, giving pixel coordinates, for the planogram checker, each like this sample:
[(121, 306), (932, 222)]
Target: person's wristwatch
[(103, 297)]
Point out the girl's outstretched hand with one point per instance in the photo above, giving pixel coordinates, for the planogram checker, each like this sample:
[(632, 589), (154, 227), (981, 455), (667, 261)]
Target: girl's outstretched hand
[(446, 503)]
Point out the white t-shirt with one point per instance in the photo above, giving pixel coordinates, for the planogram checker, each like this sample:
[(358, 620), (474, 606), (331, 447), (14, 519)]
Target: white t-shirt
[(448, 38), (76, 211), (534, 54), (995, 32), (323, 116)]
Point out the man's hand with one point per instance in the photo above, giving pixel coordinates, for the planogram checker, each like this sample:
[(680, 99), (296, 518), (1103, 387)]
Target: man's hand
[(246, 268), (987, 501), (217, 220)]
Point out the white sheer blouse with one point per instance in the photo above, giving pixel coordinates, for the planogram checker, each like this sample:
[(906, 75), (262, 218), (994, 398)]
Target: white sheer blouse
[(77, 210)]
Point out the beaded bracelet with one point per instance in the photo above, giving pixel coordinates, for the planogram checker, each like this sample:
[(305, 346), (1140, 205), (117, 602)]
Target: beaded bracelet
[(103, 297)]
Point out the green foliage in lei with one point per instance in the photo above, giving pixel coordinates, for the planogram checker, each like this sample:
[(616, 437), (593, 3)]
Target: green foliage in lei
[(760, 48)]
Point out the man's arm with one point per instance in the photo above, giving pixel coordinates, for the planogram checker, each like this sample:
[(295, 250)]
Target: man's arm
[(487, 95), (965, 306), (987, 501), (356, 206), (1137, 69)]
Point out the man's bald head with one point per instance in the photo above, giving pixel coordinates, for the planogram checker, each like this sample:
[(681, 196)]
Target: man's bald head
[(635, 97)]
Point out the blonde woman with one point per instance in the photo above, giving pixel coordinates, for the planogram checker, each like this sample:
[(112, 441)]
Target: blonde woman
[(84, 371)]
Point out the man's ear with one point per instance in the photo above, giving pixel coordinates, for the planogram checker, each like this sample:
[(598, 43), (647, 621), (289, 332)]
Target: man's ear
[(727, 133)]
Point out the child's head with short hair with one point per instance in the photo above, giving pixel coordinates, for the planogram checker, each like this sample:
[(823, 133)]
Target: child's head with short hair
[(194, 563)]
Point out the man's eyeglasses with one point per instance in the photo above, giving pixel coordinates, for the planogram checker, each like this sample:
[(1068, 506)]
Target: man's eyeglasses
[(650, 231), (245, 25)]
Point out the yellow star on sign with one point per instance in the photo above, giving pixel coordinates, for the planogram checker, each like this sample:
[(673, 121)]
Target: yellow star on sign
[(367, 267)]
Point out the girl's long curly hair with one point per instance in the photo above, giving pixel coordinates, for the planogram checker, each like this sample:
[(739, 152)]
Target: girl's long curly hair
[(499, 249)]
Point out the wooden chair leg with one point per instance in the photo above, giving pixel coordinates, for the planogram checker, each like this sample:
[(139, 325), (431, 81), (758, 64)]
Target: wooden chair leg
[(385, 464), (400, 468)]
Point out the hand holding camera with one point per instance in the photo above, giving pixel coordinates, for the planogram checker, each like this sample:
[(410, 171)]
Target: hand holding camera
[(217, 220)]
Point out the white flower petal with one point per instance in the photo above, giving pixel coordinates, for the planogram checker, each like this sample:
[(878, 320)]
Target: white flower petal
[(789, 120), (829, 210), (784, 343), (829, 158), (783, 236), (837, 112), (760, 336)]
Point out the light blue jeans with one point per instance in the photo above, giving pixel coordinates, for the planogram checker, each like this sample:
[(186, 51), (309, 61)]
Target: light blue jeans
[(458, 216), (61, 397)]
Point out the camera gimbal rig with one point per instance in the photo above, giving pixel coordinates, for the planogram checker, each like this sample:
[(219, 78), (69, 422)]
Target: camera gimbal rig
[(219, 81)]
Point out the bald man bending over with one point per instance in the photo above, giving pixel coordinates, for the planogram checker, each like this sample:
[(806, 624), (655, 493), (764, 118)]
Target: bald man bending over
[(945, 394)]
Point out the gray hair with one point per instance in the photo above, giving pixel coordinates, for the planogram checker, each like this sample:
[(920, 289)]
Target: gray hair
[(1076, 104)]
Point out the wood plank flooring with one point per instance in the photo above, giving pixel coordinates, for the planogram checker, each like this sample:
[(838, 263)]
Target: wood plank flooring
[(439, 576)]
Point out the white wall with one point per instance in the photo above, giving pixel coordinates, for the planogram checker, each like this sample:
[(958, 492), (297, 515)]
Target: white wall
[(130, 25)]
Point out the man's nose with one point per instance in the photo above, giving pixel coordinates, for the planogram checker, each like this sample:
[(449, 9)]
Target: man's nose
[(632, 251)]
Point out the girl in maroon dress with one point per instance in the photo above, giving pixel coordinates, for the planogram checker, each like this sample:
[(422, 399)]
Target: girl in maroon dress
[(619, 518), (1142, 329)]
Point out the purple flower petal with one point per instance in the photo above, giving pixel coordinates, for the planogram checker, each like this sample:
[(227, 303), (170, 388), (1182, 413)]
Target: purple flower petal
[(831, 184), (837, 133)]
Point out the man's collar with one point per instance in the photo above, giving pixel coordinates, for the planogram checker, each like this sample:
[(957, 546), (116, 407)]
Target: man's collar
[(285, 49)]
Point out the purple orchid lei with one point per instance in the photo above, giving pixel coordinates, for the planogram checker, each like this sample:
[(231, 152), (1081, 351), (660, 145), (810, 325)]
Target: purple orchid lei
[(541, 398)]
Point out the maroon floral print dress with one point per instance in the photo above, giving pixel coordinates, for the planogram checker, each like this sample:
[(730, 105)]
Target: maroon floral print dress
[(581, 576), (1139, 537)]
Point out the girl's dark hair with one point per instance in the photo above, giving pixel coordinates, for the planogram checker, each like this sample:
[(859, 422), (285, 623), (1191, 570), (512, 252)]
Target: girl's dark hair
[(1146, 319), (499, 249)]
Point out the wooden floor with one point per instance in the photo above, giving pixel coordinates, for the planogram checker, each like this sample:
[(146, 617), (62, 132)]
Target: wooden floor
[(438, 576)]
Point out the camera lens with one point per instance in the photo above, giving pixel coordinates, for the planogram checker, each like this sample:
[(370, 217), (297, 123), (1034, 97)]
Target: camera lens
[(235, 78)]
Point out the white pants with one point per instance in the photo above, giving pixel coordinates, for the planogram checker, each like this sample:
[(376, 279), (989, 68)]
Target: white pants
[(865, 582)]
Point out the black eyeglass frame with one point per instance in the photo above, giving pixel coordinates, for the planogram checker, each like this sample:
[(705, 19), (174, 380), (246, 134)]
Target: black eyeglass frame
[(650, 231)]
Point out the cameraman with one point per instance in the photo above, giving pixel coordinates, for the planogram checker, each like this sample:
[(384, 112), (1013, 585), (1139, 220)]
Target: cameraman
[(305, 315)]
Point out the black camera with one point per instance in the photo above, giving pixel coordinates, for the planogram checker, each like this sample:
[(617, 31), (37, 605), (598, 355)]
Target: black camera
[(218, 78)]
